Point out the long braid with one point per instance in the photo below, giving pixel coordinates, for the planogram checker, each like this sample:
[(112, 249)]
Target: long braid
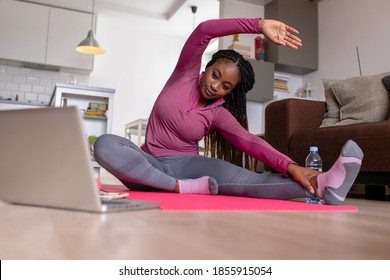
[(235, 102)]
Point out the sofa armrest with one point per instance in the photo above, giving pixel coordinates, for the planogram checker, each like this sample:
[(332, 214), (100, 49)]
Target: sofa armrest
[(285, 117)]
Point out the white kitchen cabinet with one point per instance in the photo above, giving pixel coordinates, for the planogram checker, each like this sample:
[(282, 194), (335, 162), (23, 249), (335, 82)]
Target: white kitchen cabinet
[(66, 30), (43, 35), (23, 31), (83, 5)]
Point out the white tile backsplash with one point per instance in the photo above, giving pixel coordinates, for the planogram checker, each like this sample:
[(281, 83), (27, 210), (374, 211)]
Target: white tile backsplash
[(12, 86), (38, 89), (32, 80), (25, 88), (31, 96), (13, 70), (53, 75), (33, 85), (19, 79), (4, 76), (45, 82), (44, 98), (26, 71), (5, 93)]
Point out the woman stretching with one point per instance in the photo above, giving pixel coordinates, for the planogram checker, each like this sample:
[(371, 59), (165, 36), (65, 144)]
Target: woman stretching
[(212, 104)]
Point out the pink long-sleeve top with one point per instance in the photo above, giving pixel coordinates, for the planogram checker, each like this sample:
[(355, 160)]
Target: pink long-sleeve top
[(176, 124)]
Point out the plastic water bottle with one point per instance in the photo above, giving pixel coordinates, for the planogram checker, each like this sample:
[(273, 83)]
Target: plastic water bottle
[(313, 160)]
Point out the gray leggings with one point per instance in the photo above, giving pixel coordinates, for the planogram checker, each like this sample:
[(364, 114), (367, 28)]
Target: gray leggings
[(138, 170)]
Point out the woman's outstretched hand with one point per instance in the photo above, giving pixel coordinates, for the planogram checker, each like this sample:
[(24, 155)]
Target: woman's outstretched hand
[(280, 33), (302, 175)]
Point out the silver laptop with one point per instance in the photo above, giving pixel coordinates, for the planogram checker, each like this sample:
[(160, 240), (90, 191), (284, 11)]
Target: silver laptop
[(45, 161)]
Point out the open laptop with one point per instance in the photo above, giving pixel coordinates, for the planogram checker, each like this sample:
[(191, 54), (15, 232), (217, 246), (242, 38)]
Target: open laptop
[(45, 161)]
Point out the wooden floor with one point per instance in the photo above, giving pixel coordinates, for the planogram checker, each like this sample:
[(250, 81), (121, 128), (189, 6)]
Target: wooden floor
[(39, 233)]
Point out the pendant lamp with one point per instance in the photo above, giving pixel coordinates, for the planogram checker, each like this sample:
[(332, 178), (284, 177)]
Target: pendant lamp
[(194, 9), (90, 45)]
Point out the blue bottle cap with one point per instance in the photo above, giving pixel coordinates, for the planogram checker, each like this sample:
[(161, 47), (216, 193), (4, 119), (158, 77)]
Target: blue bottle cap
[(313, 149)]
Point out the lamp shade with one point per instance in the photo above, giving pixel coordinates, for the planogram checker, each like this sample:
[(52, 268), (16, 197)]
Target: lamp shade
[(90, 45)]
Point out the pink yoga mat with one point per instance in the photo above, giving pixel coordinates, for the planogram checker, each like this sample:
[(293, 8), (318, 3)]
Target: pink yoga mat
[(193, 202)]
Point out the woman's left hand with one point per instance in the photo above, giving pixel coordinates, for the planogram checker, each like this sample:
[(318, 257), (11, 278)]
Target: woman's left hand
[(280, 33)]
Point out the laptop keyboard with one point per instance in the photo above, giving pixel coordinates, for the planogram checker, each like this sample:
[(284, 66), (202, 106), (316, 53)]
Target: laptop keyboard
[(120, 204), (126, 204)]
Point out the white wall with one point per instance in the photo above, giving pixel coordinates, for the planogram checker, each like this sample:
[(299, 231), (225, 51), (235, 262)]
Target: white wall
[(137, 63), (141, 55), (343, 25)]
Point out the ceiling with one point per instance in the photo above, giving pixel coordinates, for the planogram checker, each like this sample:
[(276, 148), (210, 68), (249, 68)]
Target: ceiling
[(171, 17), (166, 9), (160, 9), (163, 9), (176, 15)]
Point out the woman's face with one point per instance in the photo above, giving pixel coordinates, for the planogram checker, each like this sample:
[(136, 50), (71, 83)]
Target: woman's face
[(219, 79)]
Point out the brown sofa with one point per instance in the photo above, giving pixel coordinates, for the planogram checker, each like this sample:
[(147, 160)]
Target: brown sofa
[(293, 125)]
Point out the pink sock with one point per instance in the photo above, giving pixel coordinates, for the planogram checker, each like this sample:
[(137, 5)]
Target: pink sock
[(335, 184), (202, 185)]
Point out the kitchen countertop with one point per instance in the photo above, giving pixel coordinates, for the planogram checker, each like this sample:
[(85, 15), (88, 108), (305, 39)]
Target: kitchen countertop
[(22, 103)]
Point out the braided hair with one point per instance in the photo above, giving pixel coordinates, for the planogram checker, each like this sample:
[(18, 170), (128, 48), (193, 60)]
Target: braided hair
[(235, 103)]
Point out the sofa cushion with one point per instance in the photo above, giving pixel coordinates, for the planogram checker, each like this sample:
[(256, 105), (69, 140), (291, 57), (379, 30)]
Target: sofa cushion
[(360, 99), (332, 115)]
